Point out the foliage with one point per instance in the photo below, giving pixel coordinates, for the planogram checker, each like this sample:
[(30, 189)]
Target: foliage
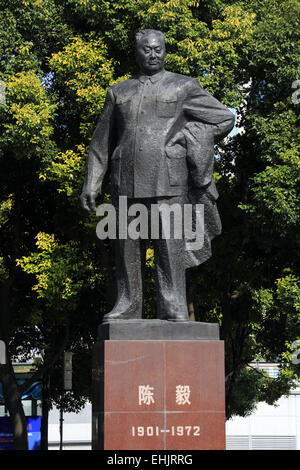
[(67, 169), (84, 71), (27, 128), (57, 58)]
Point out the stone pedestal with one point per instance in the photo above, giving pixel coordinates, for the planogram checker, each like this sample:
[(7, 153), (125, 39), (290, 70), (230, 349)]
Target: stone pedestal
[(158, 385)]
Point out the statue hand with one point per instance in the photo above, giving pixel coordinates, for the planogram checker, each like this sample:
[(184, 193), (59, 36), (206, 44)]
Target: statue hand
[(88, 200)]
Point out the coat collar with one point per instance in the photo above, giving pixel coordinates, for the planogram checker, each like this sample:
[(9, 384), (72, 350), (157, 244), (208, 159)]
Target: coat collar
[(153, 78)]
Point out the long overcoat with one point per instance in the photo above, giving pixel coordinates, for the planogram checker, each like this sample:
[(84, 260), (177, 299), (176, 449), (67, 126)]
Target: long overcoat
[(155, 137)]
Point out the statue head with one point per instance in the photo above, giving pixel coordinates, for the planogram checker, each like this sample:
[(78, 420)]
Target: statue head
[(150, 51)]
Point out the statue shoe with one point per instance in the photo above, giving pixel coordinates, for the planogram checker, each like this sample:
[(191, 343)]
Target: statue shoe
[(115, 315), (174, 317)]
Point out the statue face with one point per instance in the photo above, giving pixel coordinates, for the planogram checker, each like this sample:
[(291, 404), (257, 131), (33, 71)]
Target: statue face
[(150, 54)]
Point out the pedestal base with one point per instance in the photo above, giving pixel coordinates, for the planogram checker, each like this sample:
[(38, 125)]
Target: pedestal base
[(158, 394)]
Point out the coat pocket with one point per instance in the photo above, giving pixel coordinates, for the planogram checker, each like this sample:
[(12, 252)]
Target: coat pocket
[(166, 107), (177, 166), (123, 106)]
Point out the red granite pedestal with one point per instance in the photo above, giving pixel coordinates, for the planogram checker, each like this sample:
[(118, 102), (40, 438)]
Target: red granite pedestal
[(160, 394)]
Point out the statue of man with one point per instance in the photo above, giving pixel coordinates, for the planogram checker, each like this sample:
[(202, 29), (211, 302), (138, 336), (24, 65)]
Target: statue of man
[(156, 137)]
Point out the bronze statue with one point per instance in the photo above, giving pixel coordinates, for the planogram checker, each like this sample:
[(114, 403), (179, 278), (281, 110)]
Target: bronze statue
[(155, 137)]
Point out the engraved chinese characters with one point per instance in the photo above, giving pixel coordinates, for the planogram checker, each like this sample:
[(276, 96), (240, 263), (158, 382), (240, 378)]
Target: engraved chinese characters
[(155, 140), (146, 395)]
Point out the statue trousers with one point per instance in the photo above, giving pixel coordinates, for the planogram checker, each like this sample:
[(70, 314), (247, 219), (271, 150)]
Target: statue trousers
[(168, 259)]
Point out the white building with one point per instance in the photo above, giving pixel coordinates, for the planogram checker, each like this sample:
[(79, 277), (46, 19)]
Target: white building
[(269, 427), (77, 429)]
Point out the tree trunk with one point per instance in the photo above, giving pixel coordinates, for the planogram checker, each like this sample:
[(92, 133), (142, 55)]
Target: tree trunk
[(12, 399), (191, 289), (191, 311), (45, 412), (12, 396)]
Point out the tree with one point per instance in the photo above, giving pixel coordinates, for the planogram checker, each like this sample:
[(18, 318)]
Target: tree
[(26, 145)]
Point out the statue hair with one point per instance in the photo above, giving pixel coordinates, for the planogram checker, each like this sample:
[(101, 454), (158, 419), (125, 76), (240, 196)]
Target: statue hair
[(145, 32)]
